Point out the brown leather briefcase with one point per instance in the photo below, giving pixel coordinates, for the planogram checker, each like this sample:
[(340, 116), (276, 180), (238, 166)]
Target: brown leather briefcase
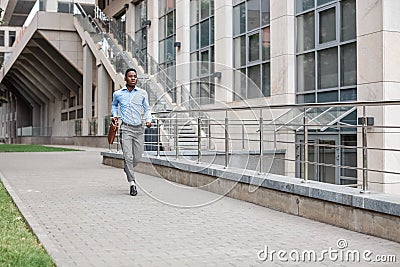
[(112, 131)]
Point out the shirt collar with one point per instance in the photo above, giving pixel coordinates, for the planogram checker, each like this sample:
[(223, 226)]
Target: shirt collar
[(134, 89)]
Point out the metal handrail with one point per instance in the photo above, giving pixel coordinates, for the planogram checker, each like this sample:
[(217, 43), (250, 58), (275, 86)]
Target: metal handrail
[(290, 106)]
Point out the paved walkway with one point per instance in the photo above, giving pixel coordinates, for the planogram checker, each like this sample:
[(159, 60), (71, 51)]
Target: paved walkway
[(83, 215)]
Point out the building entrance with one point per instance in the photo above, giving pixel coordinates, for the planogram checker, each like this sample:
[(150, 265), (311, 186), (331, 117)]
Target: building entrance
[(323, 158)]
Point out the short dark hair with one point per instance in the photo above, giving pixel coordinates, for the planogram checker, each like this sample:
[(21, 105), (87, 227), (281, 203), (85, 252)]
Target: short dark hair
[(128, 70)]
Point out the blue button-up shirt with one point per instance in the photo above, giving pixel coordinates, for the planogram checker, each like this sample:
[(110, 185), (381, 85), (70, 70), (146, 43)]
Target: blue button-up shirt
[(131, 104)]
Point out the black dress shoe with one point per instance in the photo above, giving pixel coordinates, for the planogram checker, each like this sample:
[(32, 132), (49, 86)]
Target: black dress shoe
[(133, 191)]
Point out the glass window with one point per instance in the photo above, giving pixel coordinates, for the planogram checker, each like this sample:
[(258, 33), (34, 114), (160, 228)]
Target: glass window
[(327, 25), (162, 5), (265, 13), (162, 51), (169, 49), (254, 86), (204, 33), (324, 70), (1, 38), (11, 38), (306, 72), (202, 44), (348, 22), (204, 91), (240, 84), (212, 33), (161, 28), (303, 5), (254, 47), (239, 19), (266, 43), (194, 37), (194, 89), (331, 96), (72, 115), (64, 7), (308, 98), (240, 51), (205, 61), (194, 11), (305, 32), (194, 58), (167, 31), (140, 15), (266, 79), (328, 68), (348, 95), (170, 24), (322, 2), (253, 14), (205, 9), (348, 65), (64, 116)]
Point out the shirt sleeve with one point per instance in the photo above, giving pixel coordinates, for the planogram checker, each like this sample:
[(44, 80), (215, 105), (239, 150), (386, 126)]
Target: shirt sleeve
[(114, 105), (146, 108)]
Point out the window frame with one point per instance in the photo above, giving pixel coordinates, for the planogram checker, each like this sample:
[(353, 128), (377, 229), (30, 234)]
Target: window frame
[(337, 4), (197, 77), (261, 62)]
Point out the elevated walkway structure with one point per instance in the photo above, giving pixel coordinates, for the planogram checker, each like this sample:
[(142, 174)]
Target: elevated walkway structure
[(52, 70)]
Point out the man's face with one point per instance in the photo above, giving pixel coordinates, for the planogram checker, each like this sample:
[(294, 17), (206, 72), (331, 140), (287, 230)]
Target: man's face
[(131, 79)]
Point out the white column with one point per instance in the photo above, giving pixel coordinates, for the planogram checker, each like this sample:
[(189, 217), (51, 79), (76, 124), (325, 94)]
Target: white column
[(182, 53), (102, 98), (282, 64), (87, 88), (378, 78), (223, 50), (152, 30), (283, 86)]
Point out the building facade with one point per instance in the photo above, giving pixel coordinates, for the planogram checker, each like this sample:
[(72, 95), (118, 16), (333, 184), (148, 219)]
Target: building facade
[(225, 53)]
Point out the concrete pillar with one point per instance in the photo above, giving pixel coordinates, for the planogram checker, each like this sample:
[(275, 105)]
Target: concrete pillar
[(152, 30), (283, 86), (102, 98), (282, 64), (378, 78), (87, 88), (182, 53), (36, 116), (223, 50)]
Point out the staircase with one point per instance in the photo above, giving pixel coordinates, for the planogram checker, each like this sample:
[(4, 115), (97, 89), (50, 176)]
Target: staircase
[(117, 59)]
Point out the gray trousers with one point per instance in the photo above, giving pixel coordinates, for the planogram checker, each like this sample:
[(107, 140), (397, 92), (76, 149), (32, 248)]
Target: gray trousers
[(132, 148)]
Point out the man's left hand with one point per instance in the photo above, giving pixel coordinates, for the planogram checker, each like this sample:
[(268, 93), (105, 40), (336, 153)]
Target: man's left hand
[(148, 124)]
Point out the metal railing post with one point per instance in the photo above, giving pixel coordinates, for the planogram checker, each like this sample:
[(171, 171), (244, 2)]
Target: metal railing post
[(158, 138), (243, 146), (209, 134), (176, 136), (305, 122), (365, 153), (226, 141), (261, 142), (198, 139)]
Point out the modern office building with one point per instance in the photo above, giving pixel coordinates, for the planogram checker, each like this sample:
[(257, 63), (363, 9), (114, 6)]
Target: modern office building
[(57, 84)]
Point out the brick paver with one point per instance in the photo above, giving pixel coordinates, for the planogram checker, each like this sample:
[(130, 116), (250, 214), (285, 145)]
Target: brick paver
[(83, 214)]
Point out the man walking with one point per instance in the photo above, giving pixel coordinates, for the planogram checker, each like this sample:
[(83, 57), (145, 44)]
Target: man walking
[(132, 102)]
